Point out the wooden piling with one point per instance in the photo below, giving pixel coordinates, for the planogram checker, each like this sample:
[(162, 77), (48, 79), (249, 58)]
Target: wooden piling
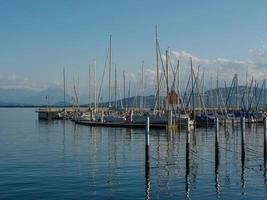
[(216, 130), (102, 116), (243, 127), (187, 161), (147, 165), (131, 116), (147, 131), (147, 139), (187, 124), (242, 124)]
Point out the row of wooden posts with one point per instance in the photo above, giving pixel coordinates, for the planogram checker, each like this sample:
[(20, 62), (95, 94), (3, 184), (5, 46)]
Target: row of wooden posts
[(217, 139), (217, 136)]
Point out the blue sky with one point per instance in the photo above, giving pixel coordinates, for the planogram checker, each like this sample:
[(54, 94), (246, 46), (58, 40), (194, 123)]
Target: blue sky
[(39, 38)]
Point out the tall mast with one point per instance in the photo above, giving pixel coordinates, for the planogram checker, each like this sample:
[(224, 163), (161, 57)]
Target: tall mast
[(129, 93), (64, 82), (167, 77), (124, 88), (236, 91), (192, 82), (264, 94), (89, 85), (178, 76), (217, 91), (157, 61), (246, 101), (142, 88), (109, 78), (95, 84), (115, 84)]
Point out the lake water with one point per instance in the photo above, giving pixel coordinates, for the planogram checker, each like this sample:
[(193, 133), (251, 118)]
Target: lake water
[(61, 160)]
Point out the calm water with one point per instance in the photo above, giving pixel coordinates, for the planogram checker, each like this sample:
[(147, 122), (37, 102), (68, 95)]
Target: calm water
[(61, 160)]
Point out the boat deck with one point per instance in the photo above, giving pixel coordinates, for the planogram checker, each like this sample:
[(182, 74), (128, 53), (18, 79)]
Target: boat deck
[(120, 124)]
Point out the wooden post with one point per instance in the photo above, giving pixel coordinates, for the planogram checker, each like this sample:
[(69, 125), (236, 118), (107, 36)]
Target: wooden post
[(147, 141), (131, 116), (187, 161), (217, 158), (187, 125), (102, 116), (217, 129), (242, 124), (147, 157), (147, 131), (243, 127)]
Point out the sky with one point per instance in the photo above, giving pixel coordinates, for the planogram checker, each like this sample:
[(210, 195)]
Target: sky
[(40, 38)]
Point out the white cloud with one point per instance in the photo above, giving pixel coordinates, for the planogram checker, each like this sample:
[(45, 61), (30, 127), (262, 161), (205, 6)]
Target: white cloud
[(14, 81), (256, 63)]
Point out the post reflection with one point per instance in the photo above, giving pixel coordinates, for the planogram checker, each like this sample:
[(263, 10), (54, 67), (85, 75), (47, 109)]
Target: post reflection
[(187, 166), (147, 172), (265, 160), (242, 164), (217, 157), (147, 177), (216, 170)]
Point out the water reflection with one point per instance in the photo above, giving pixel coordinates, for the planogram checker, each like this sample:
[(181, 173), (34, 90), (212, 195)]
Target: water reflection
[(217, 163), (243, 161), (180, 164), (187, 166), (265, 159), (147, 174)]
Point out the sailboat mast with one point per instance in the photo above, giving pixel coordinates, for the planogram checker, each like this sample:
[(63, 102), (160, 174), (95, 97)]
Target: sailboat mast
[(236, 92), (192, 82), (246, 101), (167, 78), (89, 85), (129, 94), (115, 84), (264, 94), (109, 78), (178, 76), (217, 91), (157, 61), (142, 88), (64, 82), (95, 83), (124, 88)]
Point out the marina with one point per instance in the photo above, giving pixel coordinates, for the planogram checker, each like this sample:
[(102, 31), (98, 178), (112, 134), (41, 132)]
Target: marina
[(58, 157), (171, 105), (133, 100)]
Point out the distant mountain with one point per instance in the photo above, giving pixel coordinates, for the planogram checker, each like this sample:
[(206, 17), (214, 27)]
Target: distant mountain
[(30, 97), (54, 97), (7, 104), (137, 101), (241, 96)]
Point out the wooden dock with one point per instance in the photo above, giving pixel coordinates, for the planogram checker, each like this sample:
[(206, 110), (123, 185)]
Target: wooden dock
[(122, 125)]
